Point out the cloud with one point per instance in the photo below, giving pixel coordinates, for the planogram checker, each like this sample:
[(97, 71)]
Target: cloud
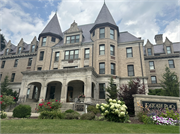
[(27, 5)]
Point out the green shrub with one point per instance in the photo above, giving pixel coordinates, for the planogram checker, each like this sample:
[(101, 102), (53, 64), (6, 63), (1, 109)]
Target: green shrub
[(22, 111), (93, 109), (74, 115), (170, 114), (69, 111), (147, 119), (159, 92), (3, 114), (88, 116), (51, 115)]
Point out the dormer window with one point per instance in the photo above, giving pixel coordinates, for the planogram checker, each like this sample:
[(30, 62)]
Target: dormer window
[(44, 41), (53, 39), (7, 51), (72, 39), (33, 48), (102, 33), (111, 33), (168, 49), (19, 50), (149, 51)]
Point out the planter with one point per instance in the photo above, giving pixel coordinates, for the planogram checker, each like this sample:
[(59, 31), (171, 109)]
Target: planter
[(81, 100)]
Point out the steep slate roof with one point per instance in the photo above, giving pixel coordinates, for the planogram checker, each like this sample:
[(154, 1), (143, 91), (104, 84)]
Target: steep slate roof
[(104, 16), (53, 27), (127, 37), (158, 49), (176, 46)]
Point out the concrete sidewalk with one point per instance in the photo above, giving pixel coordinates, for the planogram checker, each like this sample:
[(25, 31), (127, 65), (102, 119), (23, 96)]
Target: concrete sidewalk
[(9, 114)]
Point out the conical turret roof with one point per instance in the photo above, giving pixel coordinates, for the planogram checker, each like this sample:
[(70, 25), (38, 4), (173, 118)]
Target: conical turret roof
[(53, 27), (104, 16)]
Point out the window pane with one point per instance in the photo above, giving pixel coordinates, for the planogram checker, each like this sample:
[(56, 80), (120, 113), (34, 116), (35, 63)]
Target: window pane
[(149, 51), (67, 40), (130, 70), (67, 53), (112, 31), (102, 91), (153, 79), (129, 52), (102, 30), (101, 47)]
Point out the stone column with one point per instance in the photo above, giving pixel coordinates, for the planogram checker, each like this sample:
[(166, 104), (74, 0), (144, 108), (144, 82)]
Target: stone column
[(88, 89), (43, 93), (23, 91), (64, 91)]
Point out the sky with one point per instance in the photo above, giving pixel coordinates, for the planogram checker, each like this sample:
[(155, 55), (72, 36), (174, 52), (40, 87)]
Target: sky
[(142, 18)]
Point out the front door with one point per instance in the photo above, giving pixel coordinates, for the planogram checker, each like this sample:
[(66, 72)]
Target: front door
[(52, 92), (70, 94)]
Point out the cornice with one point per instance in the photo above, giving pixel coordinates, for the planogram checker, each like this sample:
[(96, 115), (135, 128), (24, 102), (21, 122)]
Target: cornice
[(18, 55), (132, 42), (161, 56)]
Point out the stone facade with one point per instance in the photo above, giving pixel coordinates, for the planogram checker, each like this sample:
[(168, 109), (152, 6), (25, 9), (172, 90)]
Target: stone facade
[(82, 59)]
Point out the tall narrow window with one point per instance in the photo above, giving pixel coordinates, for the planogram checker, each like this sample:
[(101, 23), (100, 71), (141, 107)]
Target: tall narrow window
[(112, 50), (149, 51), (111, 33), (101, 49), (29, 61), (77, 38), (16, 63), (68, 39), (112, 68), (86, 53), (129, 52), (168, 49), (101, 90), (19, 50), (153, 79), (53, 39), (130, 70), (12, 77), (171, 63), (66, 55), (3, 64), (101, 68), (33, 48), (41, 55), (72, 39), (56, 56), (151, 65), (7, 51), (76, 54), (44, 41), (102, 33), (71, 55)]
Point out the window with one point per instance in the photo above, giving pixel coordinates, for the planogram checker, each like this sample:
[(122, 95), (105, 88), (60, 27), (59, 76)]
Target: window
[(72, 39), (101, 68), (0, 76), (41, 55), (3, 64), (56, 56), (33, 48), (53, 39), (16, 63), (12, 77), (28, 92), (86, 53), (43, 41), (101, 90), (112, 68), (29, 61), (7, 52), (130, 70), (93, 33), (153, 79), (86, 66), (111, 33), (102, 33), (71, 54), (19, 50), (39, 68), (112, 50), (129, 52), (171, 63), (151, 65), (149, 51), (55, 68), (168, 49), (101, 49)]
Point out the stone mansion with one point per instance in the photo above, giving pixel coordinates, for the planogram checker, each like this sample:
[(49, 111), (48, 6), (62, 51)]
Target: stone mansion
[(82, 59)]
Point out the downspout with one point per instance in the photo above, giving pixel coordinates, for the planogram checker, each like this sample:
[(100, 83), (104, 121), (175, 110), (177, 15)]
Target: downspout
[(51, 59), (141, 63)]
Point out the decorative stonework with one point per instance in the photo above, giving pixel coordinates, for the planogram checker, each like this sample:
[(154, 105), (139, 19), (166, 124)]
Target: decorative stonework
[(73, 28)]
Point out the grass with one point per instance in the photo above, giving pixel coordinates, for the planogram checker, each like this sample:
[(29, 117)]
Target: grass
[(79, 126)]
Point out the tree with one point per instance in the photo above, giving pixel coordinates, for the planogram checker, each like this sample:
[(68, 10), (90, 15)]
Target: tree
[(112, 89), (5, 90), (127, 90), (170, 83), (2, 42)]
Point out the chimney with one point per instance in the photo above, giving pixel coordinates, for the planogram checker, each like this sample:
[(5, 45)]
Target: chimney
[(159, 38)]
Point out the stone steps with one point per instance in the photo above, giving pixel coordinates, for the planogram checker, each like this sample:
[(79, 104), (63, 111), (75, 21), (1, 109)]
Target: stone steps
[(66, 106)]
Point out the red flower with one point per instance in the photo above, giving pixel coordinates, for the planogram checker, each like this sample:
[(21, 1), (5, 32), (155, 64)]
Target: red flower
[(48, 103), (50, 107), (1, 96), (56, 100), (1, 102), (40, 105), (14, 98)]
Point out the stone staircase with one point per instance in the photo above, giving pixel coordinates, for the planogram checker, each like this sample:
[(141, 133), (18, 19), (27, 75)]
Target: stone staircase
[(66, 106)]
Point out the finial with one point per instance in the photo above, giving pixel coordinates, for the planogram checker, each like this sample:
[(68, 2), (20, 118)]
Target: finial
[(56, 11)]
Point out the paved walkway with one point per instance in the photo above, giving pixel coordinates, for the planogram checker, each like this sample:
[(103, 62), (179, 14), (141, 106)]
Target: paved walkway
[(9, 114)]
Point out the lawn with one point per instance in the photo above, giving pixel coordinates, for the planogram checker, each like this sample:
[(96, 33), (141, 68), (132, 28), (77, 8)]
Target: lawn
[(79, 126)]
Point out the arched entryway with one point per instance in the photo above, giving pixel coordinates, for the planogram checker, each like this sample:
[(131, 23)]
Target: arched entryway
[(74, 89), (54, 90)]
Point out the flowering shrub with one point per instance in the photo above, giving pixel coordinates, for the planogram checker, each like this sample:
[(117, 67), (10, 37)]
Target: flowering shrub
[(3, 114), (81, 96), (115, 110), (6, 101), (49, 106), (164, 121)]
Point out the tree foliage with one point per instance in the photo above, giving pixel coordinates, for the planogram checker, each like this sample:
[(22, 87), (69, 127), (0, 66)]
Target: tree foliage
[(2, 42), (159, 92), (112, 89), (127, 90), (170, 83)]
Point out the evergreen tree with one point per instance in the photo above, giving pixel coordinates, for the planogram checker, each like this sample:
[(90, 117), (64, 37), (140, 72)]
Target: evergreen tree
[(112, 89), (2, 42), (170, 83)]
